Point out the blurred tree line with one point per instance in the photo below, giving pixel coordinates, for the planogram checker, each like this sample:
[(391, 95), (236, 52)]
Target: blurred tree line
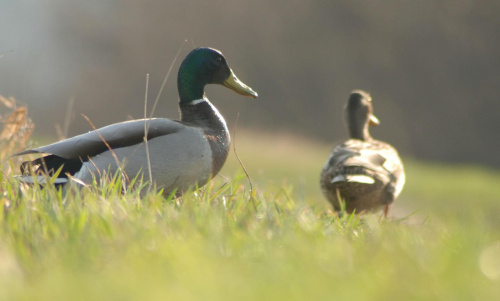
[(431, 66)]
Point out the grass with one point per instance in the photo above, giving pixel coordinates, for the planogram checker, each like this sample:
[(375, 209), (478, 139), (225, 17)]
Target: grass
[(282, 244)]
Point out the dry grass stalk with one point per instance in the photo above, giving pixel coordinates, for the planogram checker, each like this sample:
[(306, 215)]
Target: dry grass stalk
[(17, 127)]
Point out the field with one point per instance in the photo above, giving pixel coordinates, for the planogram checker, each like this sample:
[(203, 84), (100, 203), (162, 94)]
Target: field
[(279, 241)]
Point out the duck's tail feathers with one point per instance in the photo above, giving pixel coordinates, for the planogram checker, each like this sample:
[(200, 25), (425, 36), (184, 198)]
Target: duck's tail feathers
[(364, 179), (41, 180)]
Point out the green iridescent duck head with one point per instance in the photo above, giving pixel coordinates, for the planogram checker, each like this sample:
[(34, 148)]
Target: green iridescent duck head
[(204, 66)]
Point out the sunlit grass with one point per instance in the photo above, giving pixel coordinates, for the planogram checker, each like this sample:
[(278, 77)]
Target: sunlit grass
[(284, 243)]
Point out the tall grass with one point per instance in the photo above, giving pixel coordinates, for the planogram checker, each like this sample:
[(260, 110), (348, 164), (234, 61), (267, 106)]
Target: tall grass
[(100, 244)]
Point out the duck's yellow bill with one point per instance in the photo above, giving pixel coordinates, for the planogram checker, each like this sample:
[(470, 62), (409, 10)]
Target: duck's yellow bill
[(239, 87), (374, 121)]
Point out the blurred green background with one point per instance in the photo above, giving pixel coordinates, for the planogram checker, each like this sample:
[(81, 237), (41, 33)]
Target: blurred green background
[(431, 66)]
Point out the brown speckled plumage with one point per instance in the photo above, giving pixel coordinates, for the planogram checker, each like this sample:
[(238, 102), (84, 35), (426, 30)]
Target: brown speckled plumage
[(367, 174)]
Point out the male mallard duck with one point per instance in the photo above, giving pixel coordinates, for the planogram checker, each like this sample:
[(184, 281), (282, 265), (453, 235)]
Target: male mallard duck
[(182, 153), (366, 173)]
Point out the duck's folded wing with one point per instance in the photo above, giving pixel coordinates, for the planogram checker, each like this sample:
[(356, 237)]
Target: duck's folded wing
[(113, 136)]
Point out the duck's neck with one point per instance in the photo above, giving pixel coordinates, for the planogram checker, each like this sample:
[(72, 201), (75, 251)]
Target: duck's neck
[(201, 113), (190, 82), (189, 89), (359, 130)]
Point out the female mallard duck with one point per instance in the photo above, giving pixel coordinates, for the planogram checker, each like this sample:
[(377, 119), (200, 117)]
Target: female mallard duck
[(182, 154), (365, 173)]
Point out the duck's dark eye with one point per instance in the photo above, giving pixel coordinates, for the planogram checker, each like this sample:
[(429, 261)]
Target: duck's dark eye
[(218, 60)]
